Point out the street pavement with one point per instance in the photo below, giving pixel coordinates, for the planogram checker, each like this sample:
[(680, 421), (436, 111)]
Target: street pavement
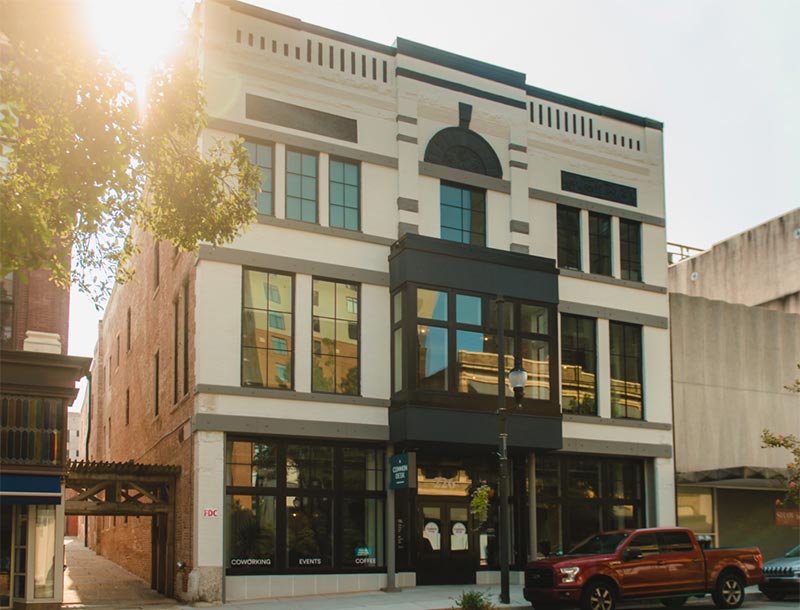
[(92, 582)]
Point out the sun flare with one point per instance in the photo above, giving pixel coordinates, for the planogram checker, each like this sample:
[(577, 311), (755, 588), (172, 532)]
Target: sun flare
[(138, 34)]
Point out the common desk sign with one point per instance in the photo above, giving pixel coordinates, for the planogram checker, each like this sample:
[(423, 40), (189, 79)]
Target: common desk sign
[(403, 471)]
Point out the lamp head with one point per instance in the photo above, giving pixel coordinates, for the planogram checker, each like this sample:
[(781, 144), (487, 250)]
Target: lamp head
[(517, 377)]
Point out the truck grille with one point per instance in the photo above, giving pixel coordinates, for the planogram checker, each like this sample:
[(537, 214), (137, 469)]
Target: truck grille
[(538, 578), (778, 571)]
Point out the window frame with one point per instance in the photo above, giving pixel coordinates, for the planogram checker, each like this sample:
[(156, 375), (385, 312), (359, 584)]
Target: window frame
[(302, 152), (639, 360), (357, 164), (471, 189), (269, 312), (410, 387), (337, 495), (562, 231), (562, 347), (630, 250), (272, 147), (315, 339), (599, 260)]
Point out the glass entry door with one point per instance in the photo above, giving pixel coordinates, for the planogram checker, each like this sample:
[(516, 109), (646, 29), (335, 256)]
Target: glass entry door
[(446, 549)]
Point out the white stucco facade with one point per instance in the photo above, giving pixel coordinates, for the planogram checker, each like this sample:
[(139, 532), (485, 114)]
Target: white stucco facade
[(395, 100)]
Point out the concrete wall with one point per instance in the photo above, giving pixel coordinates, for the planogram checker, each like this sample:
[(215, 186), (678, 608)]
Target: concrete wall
[(760, 266), (730, 364)]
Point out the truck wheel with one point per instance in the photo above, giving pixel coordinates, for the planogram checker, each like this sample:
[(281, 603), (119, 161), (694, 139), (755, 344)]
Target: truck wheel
[(729, 591), (674, 602), (599, 595)]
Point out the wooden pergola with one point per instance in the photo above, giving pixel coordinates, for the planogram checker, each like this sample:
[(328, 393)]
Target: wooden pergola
[(133, 490)]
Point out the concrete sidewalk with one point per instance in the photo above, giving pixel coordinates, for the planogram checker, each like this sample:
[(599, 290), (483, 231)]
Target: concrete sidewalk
[(92, 581), (413, 598), (96, 583)]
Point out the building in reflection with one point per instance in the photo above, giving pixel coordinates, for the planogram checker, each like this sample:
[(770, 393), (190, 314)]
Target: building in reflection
[(416, 207)]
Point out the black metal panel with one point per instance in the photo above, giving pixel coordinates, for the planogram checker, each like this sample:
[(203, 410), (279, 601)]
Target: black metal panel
[(437, 262), (594, 187), (298, 117), (430, 425)]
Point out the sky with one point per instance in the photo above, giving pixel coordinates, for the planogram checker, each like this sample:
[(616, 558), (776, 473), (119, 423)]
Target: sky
[(722, 75)]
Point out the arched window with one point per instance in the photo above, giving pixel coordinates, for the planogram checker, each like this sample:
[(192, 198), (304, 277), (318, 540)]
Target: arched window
[(461, 148)]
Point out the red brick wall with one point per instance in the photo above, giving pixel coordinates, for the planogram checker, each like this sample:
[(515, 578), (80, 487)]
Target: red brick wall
[(146, 437), (40, 305)]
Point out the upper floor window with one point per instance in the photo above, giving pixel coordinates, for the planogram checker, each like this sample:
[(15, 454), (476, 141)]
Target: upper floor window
[(578, 364), (457, 347), (463, 214), (626, 370), (261, 154), (569, 237), (344, 195), (7, 312), (267, 344), (301, 186), (630, 249), (335, 335), (599, 244)]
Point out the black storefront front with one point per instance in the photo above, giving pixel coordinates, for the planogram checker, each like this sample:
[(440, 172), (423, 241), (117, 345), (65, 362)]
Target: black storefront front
[(447, 299)]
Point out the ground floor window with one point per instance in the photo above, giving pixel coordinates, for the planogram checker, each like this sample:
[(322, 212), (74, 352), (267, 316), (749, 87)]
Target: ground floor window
[(577, 496), (299, 506)]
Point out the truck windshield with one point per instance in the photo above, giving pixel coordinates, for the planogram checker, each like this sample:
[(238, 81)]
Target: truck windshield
[(599, 544)]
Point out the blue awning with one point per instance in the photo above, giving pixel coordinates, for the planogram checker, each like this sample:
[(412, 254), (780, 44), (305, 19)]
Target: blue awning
[(30, 489)]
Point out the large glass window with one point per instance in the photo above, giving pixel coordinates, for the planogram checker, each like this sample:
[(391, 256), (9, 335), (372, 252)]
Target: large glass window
[(599, 243), (630, 250), (267, 329), (301, 186), (578, 365), (261, 154), (344, 195), (298, 507), (626, 370), (457, 343), (335, 337), (463, 214), (569, 237), (577, 497)]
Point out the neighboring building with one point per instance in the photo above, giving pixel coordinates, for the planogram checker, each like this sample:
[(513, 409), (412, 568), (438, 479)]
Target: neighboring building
[(735, 334), (404, 189), (758, 267), (37, 385)]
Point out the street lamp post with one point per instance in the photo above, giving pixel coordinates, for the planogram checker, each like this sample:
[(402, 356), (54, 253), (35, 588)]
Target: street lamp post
[(517, 378)]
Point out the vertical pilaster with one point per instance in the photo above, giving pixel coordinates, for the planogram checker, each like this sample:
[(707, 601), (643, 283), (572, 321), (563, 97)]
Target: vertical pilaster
[(585, 258), (603, 369), (280, 180)]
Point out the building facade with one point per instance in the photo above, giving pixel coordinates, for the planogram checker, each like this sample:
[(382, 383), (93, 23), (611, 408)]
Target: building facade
[(417, 210), (37, 385), (735, 331)]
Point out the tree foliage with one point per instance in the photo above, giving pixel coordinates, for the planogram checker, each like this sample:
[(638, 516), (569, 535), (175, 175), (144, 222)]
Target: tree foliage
[(770, 440), (84, 161)]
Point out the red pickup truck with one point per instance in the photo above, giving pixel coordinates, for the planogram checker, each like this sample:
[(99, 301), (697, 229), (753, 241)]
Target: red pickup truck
[(662, 563)]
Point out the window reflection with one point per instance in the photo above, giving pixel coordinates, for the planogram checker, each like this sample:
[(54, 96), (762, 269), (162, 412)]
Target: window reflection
[(335, 330), (309, 467), (267, 329), (250, 524), (309, 536), (626, 370), (432, 350), (578, 364)]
